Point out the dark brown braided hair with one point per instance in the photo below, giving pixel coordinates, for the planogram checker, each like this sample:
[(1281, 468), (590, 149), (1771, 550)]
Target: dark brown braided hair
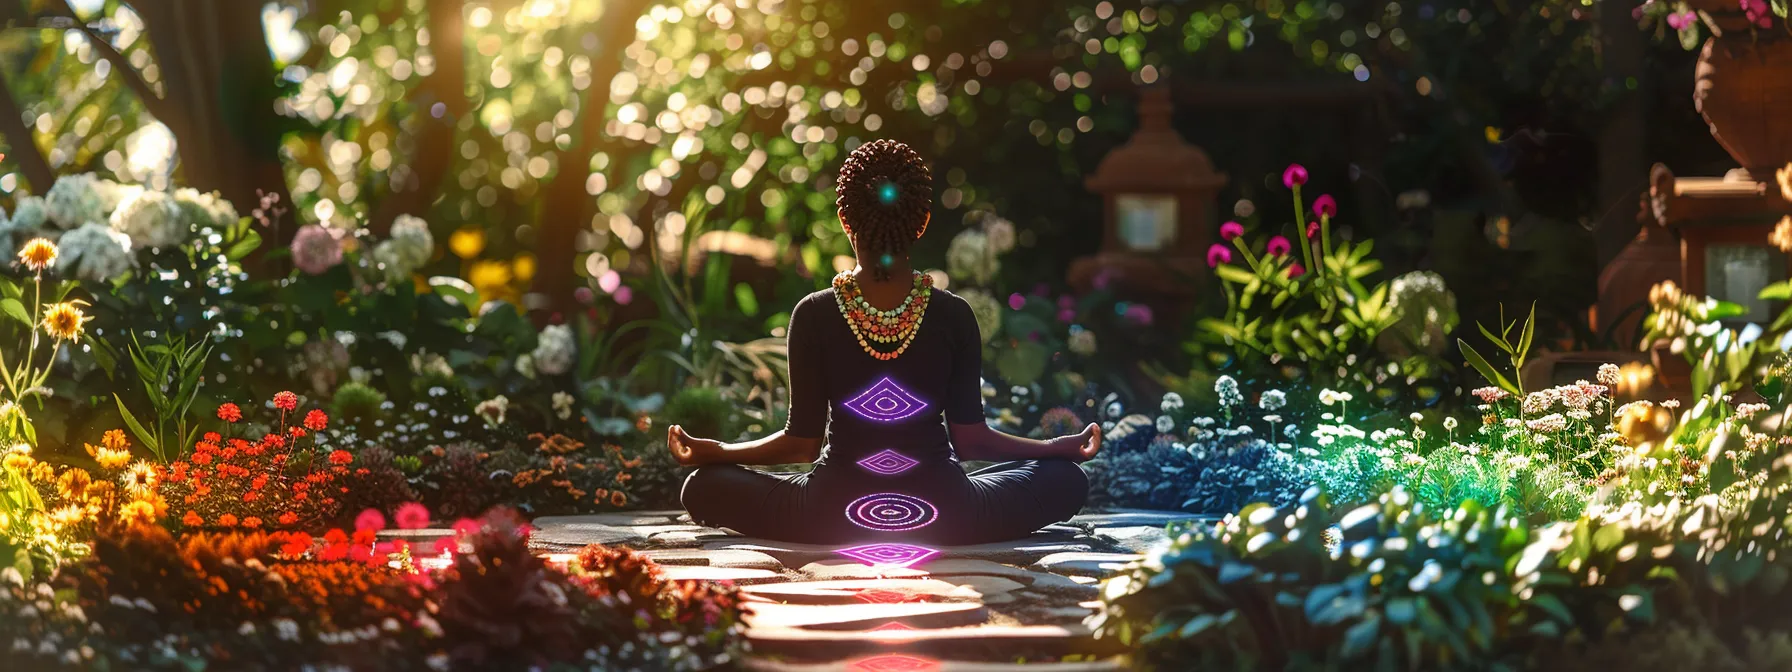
[(885, 196)]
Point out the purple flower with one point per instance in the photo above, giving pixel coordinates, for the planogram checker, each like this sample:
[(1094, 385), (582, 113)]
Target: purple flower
[(1279, 246), (1016, 301), (1296, 270), (623, 295), (1103, 279), (1294, 176), (1231, 230), (1066, 302), (315, 250), (1325, 206), (1218, 254), (1066, 315)]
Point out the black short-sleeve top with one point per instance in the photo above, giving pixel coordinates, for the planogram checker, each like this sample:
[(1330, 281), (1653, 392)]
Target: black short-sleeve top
[(864, 405)]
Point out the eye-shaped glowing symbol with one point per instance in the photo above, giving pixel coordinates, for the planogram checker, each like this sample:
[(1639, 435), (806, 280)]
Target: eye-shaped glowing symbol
[(885, 402), (889, 555), (894, 662), (892, 626), (885, 597), (891, 512), (888, 463)]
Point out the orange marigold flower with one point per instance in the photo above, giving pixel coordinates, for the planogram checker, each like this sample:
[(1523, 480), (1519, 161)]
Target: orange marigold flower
[(116, 440), (288, 518), (286, 401), (138, 512), (618, 499), (252, 522), (192, 519), (65, 321), (229, 412), (316, 421), (227, 520), (341, 457), (38, 254), (213, 437)]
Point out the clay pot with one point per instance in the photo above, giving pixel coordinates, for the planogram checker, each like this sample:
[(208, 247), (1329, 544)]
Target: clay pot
[(1743, 88)]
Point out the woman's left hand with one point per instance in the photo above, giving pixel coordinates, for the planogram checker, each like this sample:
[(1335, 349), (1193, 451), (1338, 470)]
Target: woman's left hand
[(691, 451)]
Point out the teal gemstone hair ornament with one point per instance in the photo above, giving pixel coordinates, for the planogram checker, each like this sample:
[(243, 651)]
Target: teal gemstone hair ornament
[(887, 193)]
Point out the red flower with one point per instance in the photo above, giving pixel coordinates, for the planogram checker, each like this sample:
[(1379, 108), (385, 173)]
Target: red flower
[(1296, 270), (288, 518), (213, 437), (1279, 246), (229, 413), (336, 536), (316, 421), (286, 401), (227, 520), (296, 544), (411, 516), (299, 432), (1313, 230), (365, 537), (192, 519), (333, 552), (340, 457), (1294, 176), (370, 519), (252, 522)]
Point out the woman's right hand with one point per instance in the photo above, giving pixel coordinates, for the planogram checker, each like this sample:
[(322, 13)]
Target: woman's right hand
[(1080, 447), (691, 451)]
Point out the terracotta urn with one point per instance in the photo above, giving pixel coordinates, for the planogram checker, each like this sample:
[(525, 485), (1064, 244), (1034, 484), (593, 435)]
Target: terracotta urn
[(1743, 88)]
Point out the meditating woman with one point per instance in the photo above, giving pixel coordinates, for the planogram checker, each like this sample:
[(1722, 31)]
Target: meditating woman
[(888, 368)]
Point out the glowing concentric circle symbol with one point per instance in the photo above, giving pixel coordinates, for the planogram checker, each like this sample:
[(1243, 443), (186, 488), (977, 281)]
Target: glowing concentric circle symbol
[(891, 512), (888, 463), (885, 402)]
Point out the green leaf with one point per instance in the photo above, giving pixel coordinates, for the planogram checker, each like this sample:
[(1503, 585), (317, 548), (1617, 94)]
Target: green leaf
[(16, 310), (143, 435), (1779, 291), (1530, 329), (1552, 606), (1233, 274), (749, 303), (1360, 638), (1480, 363), (1195, 625), (1608, 537), (1498, 341)]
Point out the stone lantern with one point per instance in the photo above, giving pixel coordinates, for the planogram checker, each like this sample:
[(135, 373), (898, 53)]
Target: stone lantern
[(1159, 208)]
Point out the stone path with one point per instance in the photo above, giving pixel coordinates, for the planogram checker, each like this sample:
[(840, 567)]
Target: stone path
[(980, 608)]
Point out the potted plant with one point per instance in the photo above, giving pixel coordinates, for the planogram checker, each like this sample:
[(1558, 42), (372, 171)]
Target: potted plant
[(1744, 77)]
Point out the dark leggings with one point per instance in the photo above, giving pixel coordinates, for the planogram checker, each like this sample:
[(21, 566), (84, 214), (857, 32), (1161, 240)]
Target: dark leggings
[(934, 503)]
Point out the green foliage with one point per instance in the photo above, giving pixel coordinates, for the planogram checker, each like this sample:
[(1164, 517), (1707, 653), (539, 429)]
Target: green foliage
[(358, 402), (702, 411), (1724, 358), (169, 373), (1515, 352)]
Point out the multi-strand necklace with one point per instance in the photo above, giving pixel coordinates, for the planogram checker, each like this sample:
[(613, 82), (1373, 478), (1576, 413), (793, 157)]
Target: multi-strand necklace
[(875, 328)]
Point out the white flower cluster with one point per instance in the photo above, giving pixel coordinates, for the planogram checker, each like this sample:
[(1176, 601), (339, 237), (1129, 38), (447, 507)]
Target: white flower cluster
[(987, 310), (555, 350), (1227, 389), (409, 247), (206, 209), (1272, 400), (1081, 341), (75, 200), (95, 253), (971, 257), (152, 219)]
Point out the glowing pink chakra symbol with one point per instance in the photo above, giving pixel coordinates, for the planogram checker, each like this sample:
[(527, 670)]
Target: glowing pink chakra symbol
[(885, 402), (888, 463), (889, 555), (891, 512), (894, 662)]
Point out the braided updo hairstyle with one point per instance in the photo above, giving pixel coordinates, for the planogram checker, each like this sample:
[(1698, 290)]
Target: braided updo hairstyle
[(885, 196)]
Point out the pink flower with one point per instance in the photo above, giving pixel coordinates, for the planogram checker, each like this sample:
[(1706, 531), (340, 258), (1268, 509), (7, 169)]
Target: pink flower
[(370, 519), (1016, 301), (623, 295), (1231, 230), (446, 546), (1218, 254), (1325, 206), (466, 527), (1066, 315), (315, 250), (1296, 270), (1279, 246), (1313, 229), (411, 516), (1294, 176), (1066, 302), (609, 281), (1103, 279)]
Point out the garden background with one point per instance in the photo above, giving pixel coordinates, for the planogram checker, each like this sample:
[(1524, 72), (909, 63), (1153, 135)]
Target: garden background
[(277, 271)]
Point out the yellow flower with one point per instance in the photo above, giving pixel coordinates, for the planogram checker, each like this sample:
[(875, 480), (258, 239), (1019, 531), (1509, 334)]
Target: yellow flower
[(467, 243), (109, 458), (73, 484), (140, 479), (523, 267), (19, 462), (138, 512), (65, 321), (116, 440), (1782, 234), (43, 473), (38, 254), (68, 515)]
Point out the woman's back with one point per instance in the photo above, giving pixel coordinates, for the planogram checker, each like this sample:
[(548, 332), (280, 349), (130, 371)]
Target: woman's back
[(868, 405)]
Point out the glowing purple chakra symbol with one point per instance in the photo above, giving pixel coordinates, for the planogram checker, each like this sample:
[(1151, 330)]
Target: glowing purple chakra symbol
[(891, 512), (885, 402), (889, 555), (888, 463)]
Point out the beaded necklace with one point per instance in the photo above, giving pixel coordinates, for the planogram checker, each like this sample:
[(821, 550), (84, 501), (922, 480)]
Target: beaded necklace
[(882, 327)]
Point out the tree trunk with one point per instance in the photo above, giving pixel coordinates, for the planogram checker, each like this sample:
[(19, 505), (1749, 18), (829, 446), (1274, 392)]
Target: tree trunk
[(566, 207), (23, 145)]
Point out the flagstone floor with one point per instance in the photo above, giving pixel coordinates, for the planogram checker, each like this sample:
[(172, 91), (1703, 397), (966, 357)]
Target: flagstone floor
[(967, 608)]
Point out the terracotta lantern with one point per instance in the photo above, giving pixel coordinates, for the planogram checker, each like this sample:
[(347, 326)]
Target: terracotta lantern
[(1159, 194), (1723, 226)]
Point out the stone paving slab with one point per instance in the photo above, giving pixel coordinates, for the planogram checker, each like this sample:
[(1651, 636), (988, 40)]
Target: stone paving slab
[(735, 574), (1133, 517), (1096, 565), (894, 662), (858, 617), (967, 642), (848, 592), (842, 568), (730, 558)]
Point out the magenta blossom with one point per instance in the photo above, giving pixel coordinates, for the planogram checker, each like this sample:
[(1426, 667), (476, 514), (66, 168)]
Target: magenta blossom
[(1279, 246), (1231, 230), (1066, 315), (623, 295), (411, 516), (1016, 301), (370, 519), (1313, 229), (1296, 270), (1294, 176), (315, 249), (1680, 21), (466, 527), (1218, 254), (1325, 206), (1066, 301)]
